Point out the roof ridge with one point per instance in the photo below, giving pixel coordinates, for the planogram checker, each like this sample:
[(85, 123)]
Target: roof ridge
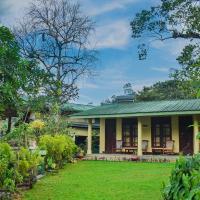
[(165, 100), (80, 104)]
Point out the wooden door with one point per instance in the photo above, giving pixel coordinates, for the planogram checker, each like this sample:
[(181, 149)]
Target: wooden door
[(186, 135), (110, 135), (130, 132), (160, 131)]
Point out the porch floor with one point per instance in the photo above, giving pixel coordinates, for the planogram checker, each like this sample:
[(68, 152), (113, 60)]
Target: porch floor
[(131, 157)]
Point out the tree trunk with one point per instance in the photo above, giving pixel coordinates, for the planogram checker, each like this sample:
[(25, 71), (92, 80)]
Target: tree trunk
[(9, 124)]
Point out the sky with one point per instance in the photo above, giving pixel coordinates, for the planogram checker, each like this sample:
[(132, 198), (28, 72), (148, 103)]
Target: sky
[(117, 52)]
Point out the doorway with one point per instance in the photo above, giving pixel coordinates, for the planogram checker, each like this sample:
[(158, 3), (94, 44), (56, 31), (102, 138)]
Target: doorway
[(110, 135), (186, 135)]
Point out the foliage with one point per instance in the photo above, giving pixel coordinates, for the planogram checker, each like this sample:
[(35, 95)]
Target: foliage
[(37, 126), (173, 19), (184, 180), (16, 167), (55, 123), (167, 90), (19, 78), (59, 149), (95, 144), (27, 163), (20, 135), (56, 34), (198, 136), (9, 176)]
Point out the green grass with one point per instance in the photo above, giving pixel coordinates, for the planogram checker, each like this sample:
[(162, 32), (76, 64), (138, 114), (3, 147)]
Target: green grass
[(92, 180)]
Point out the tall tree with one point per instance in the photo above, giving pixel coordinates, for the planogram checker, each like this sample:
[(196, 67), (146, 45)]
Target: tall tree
[(167, 90), (19, 78), (56, 34), (173, 19)]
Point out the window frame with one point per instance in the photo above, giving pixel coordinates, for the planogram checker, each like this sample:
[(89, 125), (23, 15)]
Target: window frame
[(132, 125), (162, 136)]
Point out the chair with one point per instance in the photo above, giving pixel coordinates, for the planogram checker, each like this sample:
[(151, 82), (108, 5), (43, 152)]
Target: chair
[(118, 148), (169, 148), (144, 146)]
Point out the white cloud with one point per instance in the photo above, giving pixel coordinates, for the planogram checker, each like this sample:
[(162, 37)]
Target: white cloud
[(112, 34), (84, 99), (84, 84), (173, 46), (161, 69), (94, 9), (111, 83), (115, 34), (139, 84), (15, 10)]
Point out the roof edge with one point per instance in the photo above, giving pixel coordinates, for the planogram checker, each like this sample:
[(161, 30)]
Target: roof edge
[(134, 115)]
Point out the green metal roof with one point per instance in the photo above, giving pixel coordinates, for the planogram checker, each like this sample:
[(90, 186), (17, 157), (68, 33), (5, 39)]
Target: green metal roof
[(76, 107), (151, 108)]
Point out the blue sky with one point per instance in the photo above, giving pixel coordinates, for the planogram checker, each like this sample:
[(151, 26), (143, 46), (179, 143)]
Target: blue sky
[(117, 52)]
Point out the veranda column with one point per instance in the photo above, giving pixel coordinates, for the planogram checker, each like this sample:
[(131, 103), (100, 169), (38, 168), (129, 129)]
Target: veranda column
[(89, 138), (119, 129), (139, 152), (102, 136), (196, 131)]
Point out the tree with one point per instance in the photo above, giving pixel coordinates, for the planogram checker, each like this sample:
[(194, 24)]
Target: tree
[(167, 90), (56, 34), (19, 78), (172, 19)]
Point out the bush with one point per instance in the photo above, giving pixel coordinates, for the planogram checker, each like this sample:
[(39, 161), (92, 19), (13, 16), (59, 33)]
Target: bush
[(27, 163), (20, 135), (185, 180), (16, 167), (9, 176), (37, 126), (59, 149)]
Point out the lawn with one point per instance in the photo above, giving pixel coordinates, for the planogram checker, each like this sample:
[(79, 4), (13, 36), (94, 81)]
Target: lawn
[(92, 180)]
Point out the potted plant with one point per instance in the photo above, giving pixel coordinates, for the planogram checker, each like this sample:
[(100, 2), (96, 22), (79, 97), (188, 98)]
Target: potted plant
[(80, 153)]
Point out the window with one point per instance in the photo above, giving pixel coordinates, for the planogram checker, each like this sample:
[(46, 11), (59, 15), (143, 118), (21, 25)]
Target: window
[(129, 132), (161, 131)]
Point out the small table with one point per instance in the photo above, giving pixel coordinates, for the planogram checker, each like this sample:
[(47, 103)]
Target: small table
[(117, 150), (130, 149), (161, 149)]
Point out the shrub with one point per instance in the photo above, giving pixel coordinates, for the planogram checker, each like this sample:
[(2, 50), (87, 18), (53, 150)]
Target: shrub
[(59, 149), (185, 180), (20, 135), (37, 127), (9, 176), (37, 124), (27, 163)]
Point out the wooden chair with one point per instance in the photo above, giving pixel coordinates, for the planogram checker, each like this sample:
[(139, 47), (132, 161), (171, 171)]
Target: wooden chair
[(144, 146), (169, 148), (118, 148)]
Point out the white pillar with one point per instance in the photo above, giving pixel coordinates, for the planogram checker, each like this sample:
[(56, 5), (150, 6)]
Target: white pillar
[(139, 151), (102, 136), (89, 138), (196, 131), (175, 132), (119, 129)]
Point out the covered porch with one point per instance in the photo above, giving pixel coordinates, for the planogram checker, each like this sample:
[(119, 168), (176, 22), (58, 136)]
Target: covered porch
[(169, 135), (157, 127)]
